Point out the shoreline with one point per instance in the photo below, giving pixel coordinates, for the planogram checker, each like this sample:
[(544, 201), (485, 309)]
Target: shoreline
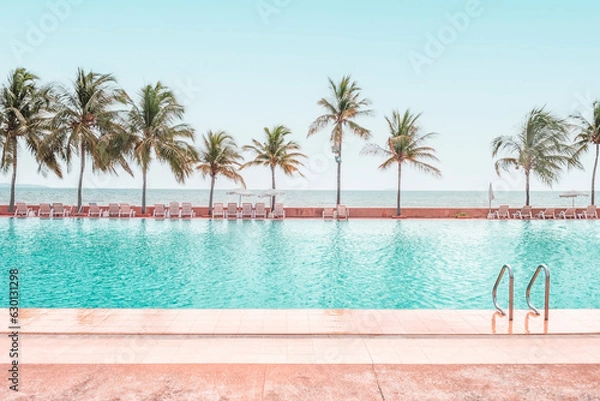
[(317, 212)]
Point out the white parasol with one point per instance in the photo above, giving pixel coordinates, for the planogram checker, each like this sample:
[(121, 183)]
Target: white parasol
[(271, 193), (572, 195), (491, 196), (241, 192)]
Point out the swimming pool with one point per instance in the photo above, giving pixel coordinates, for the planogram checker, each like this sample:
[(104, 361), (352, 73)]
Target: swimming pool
[(374, 264)]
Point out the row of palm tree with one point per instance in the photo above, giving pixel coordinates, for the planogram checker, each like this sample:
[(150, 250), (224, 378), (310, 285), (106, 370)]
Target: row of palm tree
[(220, 155), (543, 147), (58, 124), (405, 144), (85, 121)]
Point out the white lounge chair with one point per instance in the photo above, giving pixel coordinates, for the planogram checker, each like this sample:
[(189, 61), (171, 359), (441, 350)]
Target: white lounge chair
[(546, 214), (589, 213), (247, 212), (524, 213), (278, 211), (502, 212), (231, 212), (218, 210), (174, 212), (45, 210), (94, 210), (186, 210), (341, 212), (58, 210), (159, 211), (328, 213), (570, 213), (21, 209), (114, 210), (259, 211), (125, 210)]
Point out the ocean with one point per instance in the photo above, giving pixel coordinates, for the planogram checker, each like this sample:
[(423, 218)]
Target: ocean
[(308, 198)]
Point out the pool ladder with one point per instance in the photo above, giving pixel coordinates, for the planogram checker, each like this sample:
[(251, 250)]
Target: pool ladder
[(511, 290)]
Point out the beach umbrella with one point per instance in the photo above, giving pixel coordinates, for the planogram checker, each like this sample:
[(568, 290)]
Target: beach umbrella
[(491, 196), (572, 195), (241, 192), (271, 193)]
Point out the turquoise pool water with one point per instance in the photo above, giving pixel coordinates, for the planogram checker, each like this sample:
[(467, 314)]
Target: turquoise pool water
[(434, 264)]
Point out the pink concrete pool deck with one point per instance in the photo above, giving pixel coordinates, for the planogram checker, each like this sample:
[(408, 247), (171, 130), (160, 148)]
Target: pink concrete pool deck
[(143, 354), (307, 382)]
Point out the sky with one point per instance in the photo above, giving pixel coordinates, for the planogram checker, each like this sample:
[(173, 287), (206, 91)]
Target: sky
[(474, 68)]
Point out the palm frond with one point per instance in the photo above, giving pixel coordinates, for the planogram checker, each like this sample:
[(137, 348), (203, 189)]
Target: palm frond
[(405, 145), (342, 108), (219, 155), (541, 147), (276, 151)]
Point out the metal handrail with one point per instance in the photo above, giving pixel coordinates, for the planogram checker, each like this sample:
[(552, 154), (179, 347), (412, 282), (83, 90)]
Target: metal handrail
[(511, 291), (547, 291)]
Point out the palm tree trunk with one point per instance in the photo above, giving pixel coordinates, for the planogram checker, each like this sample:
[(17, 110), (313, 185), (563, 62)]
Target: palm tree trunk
[(81, 170), (594, 172), (399, 186), (13, 180), (144, 184), (526, 188), (339, 174), (273, 187), (210, 198)]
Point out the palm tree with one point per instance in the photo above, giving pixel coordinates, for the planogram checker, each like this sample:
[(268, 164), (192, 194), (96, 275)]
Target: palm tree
[(154, 124), (541, 148), (88, 125), (344, 106), (405, 145), (219, 155), (589, 134), (24, 112), (276, 152)]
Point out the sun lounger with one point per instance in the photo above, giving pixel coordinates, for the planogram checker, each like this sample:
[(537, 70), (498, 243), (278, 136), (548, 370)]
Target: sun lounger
[(218, 210), (259, 211), (114, 210), (94, 210), (186, 210), (231, 212), (502, 212), (341, 212), (159, 211), (570, 213), (125, 210), (58, 210), (278, 212), (546, 214), (524, 213), (45, 210), (21, 209), (589, 213), (247, 211), (328, 213), (174, 211)]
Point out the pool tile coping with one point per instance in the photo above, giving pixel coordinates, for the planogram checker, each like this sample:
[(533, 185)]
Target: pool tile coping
[(235, 336), (300, 322)]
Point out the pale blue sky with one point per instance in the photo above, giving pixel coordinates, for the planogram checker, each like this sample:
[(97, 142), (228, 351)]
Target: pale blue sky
[(243, 65)]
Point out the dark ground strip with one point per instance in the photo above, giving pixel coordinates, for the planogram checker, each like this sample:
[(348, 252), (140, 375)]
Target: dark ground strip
[(305, 382)]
